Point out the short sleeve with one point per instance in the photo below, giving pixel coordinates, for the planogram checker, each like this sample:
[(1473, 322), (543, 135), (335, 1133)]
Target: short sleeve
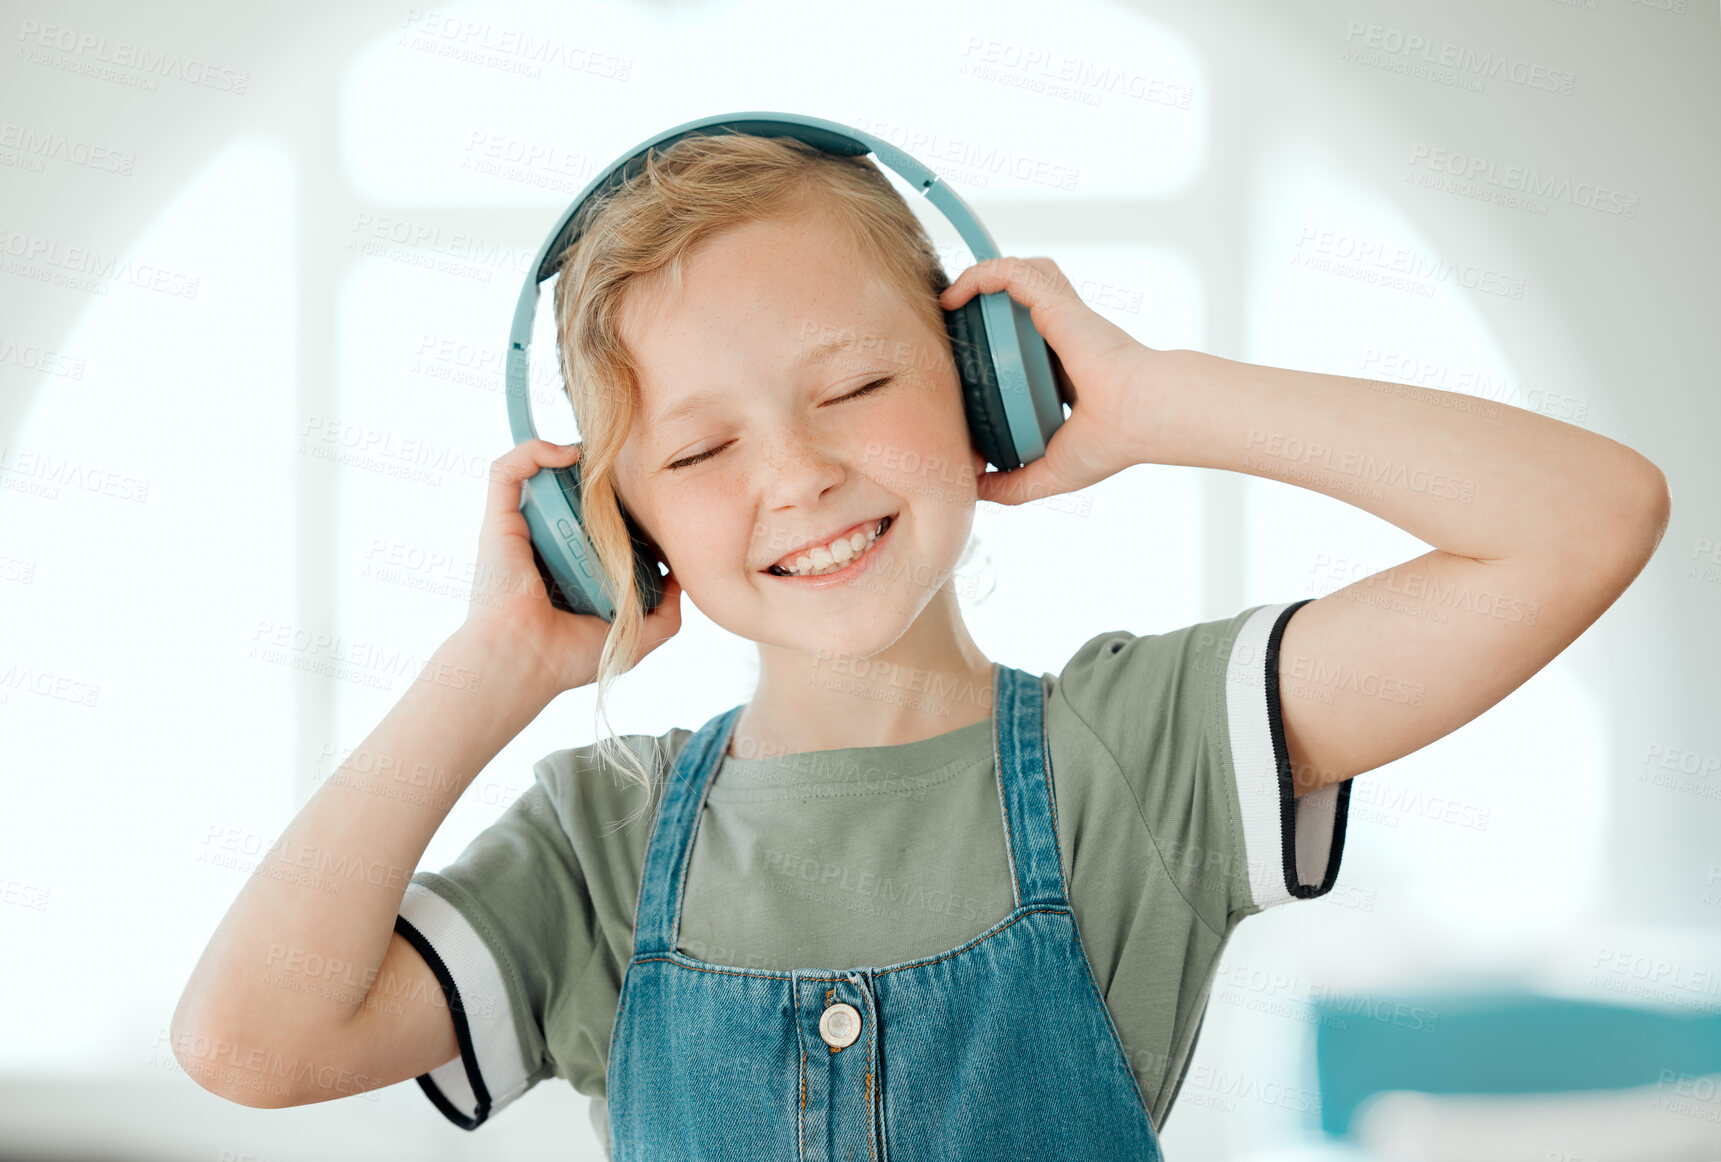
[(1293, 844), (1192, 719), (501, 927)]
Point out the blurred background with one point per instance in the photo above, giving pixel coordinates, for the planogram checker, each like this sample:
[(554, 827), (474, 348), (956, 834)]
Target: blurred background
[(257, 265)]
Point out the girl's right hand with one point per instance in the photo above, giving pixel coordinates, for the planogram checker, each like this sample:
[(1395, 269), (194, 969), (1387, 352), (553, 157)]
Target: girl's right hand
[(510, 606)]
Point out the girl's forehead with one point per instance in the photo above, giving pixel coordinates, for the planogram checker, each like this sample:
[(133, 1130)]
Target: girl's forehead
[(779, 329), (790, 297)]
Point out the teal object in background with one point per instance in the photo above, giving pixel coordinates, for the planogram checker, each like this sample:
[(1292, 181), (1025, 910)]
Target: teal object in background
[(1496, 1043)]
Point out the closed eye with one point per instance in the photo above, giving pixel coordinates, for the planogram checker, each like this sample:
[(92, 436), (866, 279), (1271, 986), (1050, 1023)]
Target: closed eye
[(869, 388), (689, 461)]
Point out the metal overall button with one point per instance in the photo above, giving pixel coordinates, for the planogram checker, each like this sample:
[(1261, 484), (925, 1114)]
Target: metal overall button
[(840, 1025)]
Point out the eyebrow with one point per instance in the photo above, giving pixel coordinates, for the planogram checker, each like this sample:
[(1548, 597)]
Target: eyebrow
[(701, 400)]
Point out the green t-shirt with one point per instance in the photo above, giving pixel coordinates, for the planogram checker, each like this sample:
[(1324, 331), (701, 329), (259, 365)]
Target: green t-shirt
[(1175, 821)]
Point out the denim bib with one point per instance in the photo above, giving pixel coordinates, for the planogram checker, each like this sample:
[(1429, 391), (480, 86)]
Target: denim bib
[(999, 1048)]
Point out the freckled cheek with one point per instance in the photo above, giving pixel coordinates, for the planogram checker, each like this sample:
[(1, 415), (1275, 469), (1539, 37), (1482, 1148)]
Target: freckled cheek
[(704, 541), (921, 458)]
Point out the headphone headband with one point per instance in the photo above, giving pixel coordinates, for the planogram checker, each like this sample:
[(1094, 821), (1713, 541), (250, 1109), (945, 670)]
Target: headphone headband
[(822, 134)]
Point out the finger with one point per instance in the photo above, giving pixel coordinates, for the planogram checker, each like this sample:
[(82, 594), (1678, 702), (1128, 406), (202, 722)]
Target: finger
[(523, 460), (1036, 283), (1028, 279), (1019, 485)]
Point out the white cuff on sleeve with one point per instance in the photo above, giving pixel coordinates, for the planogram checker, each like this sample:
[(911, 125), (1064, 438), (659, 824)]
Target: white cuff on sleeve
[(1293, 845), (490, 1071)]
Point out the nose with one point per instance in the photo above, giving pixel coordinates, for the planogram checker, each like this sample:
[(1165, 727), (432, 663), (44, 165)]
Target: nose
[(801, 463)]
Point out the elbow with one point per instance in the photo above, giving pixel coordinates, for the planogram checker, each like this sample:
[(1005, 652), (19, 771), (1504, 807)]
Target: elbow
[(235, 1068), (1652, 509), (1641, 508), (1660, 503)]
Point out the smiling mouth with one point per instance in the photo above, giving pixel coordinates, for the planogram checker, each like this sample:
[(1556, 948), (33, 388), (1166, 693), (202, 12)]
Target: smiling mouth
[(825, 560)]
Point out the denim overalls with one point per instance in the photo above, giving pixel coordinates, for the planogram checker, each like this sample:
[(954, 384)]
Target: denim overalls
[(999, 1048)]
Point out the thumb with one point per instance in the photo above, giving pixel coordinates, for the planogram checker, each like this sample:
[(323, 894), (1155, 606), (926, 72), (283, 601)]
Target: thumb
[(1020, 485)]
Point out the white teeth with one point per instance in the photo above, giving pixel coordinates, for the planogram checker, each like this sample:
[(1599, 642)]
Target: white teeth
[(828, 559)]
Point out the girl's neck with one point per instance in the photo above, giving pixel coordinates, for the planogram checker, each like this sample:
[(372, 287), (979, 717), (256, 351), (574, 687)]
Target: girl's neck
[(932, 680)]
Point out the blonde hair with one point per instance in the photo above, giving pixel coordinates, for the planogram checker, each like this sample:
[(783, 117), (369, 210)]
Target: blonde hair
[(647, 225)]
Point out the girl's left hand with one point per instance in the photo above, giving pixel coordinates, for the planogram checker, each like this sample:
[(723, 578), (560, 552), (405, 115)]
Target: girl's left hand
[(1112, 382)]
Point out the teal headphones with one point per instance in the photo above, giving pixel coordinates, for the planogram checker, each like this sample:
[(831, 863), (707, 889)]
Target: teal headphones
[(1010, 394)]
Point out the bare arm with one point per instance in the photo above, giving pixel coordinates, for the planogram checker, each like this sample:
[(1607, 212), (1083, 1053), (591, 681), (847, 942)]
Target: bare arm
[(1539, 526), (284, 989), (305, 991)]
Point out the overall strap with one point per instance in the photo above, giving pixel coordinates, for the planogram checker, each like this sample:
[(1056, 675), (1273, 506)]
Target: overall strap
[(665, 871), (1025, 788)]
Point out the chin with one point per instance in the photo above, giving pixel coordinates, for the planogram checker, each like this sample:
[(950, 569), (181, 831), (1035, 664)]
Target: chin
[(843, 636), (858, 626)]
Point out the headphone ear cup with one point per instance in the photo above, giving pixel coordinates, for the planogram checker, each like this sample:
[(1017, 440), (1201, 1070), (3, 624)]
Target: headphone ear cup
[(551, 503), (549, 500), (648, 582), (981, 399), (557, 600)]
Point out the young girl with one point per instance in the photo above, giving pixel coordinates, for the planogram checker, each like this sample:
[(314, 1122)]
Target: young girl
[(907, 901)]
